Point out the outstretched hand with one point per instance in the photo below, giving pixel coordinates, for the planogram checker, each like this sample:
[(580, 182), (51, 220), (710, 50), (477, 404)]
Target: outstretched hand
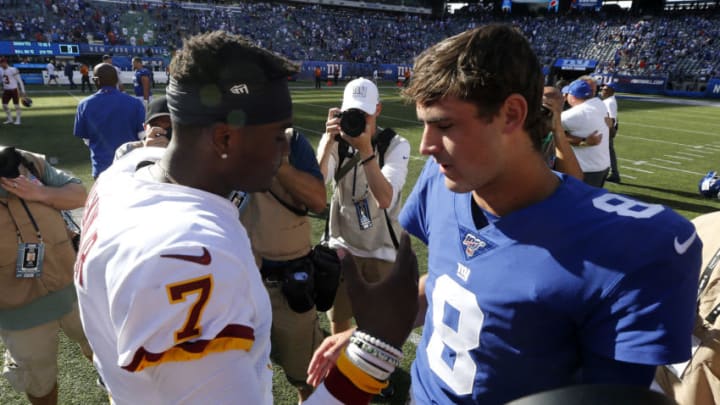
[(326, 355), (387, 309)]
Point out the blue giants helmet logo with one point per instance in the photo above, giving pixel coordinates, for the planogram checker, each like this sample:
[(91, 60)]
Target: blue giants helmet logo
[(472, 243)]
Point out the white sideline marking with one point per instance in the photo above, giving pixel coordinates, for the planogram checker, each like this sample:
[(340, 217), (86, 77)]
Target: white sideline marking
[(689, 131), (679, 157), (686, 153), (675, 170), (667, 161), (701, 150), (637, 170)]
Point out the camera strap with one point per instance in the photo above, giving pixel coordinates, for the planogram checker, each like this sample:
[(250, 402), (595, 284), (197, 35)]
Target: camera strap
[(295, 210), (344, 169)]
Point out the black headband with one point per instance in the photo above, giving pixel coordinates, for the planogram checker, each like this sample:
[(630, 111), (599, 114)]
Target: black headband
[(238, 104)]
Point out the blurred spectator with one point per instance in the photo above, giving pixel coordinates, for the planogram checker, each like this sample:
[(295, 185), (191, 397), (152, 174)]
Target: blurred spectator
[(69, 70), (107, 119), (52, 76), (12, 82), (85, 78), (607, 92)]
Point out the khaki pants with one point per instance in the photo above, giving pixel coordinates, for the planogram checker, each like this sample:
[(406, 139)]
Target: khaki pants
[(31, 354), (294, 337)]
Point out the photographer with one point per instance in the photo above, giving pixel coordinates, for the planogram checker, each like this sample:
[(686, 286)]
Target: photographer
[(37, 297), (367, 185), (280, 214), (158, 129)]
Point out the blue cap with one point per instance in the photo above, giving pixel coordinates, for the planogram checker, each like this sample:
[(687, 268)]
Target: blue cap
[(610, 85), (579, 89)]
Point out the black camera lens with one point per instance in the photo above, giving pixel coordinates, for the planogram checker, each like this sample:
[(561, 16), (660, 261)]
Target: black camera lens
[(352, 122)]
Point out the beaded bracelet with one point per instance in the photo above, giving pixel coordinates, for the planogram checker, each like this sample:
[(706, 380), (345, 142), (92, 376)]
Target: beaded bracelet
[(379, 343), (375, 351)]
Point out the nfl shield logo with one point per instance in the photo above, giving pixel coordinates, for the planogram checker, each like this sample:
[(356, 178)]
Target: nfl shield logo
[(472, 244)]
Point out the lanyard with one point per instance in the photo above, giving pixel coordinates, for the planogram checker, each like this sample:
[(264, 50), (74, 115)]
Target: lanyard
[(704, 279), (32, 219)]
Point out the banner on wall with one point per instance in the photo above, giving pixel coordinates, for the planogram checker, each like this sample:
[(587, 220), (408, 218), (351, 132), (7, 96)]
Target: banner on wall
[(713, 88)]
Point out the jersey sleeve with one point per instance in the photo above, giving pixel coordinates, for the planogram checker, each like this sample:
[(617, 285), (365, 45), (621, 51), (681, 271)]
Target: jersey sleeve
[(413, 215), (212, 380), (171, 309), (79, 129), (302, 157), (395, 167), (647, 317)]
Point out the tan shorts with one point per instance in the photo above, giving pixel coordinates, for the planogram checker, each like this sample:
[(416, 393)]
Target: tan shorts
[(294, 337), (372, 270), (31, 354)]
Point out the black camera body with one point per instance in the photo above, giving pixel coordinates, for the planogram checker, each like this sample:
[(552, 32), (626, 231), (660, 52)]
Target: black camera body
[(10, 160), (352, 122)]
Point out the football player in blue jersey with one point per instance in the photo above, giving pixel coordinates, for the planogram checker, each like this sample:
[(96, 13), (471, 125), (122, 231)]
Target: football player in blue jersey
[(532, 284), (142, 81), (535, 280)]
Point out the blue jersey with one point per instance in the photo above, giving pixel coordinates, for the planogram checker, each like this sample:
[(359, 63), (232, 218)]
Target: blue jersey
[(137, 81), (515, 306)]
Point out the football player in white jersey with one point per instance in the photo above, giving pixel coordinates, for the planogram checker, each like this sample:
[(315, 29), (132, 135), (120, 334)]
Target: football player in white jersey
[(171, 300), (12, 81)]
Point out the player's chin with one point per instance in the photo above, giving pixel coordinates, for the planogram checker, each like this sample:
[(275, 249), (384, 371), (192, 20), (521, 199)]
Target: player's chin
[(457, 185)]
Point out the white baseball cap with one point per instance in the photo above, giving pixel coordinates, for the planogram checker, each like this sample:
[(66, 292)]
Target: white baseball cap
[(361, 93)]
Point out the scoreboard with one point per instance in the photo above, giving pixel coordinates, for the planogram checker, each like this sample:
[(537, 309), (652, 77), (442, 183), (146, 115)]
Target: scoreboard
[(31, 48)]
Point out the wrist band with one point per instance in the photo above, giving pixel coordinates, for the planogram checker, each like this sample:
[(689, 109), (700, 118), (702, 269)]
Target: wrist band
[(397, 352), (369, 158), (359, 378)]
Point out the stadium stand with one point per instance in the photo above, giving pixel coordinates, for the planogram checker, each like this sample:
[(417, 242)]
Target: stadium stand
[(680, 46)]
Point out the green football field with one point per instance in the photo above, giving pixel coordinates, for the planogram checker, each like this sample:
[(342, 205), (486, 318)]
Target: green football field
[(664, 147)]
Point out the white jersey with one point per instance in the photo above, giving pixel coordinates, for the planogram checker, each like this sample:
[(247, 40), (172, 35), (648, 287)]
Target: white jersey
[(582, 120), (10, 78), (165, 278), (170, 297), (612, 107), (50, 69)]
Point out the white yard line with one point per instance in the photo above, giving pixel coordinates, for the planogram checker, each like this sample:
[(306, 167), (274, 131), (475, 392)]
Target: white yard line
[(687, 131), (679, 157), (667, 161)]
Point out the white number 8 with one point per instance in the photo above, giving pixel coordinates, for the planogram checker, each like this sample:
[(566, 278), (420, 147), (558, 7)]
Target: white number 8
[(460, 376), (626, 207)]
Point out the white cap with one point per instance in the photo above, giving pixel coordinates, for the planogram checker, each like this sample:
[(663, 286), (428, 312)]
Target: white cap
[(361, 93)]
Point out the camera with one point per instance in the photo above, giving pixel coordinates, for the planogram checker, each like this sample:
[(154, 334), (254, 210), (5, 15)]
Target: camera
[(352, 122), (10, 161)]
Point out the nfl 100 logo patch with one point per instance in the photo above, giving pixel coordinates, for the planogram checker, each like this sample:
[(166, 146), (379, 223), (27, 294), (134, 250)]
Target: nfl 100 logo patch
[(473, 245)]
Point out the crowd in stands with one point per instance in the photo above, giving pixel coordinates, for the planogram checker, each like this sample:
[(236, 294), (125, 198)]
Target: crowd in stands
[(677, 46)]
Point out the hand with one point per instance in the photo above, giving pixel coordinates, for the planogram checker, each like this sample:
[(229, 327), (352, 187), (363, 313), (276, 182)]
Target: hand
[(362, 142), (325, 356), (593, 139), (23, 187), (386, 310), (155, 136), (609, 121)]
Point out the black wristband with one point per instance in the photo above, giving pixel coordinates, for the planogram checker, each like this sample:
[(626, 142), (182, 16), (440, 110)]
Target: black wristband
[(367, 159)]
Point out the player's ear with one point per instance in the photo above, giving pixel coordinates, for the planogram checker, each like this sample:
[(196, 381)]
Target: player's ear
[(221, 138), (514, 111)]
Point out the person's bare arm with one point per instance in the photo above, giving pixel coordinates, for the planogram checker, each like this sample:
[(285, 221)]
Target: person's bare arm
[(66, 197)]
